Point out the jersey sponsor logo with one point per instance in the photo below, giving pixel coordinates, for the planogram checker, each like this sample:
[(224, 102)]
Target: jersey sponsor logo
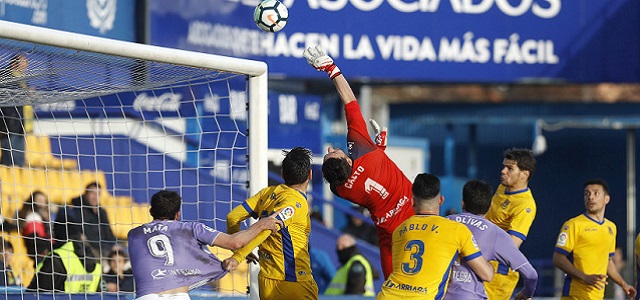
[(265, 255), (158, 274), (394, 211), (371, 185), (354, 176), (298, 205), (461, 276), (505, 204), (562, 239), (405, 287), (287, 213), (185, 272)]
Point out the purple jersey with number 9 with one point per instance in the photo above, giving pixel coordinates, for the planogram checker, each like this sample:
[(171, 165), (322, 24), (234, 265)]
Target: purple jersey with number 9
[(171, 254)]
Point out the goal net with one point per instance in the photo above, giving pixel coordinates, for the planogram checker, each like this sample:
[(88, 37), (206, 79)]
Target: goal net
[(85, 118)]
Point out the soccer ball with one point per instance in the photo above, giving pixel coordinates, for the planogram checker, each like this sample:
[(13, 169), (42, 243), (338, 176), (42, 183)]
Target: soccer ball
[(271, 15)]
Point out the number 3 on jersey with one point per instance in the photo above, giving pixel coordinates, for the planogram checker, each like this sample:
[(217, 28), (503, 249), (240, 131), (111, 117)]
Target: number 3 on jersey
[(160, 246), (416, 247)]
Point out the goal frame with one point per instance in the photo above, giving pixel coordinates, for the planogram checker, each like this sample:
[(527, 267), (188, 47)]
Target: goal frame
[(256, 71)]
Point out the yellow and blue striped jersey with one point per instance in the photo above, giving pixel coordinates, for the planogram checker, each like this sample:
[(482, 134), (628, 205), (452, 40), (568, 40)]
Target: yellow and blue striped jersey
[(588, 244), (424, 248), (285, 255), (513, 211)]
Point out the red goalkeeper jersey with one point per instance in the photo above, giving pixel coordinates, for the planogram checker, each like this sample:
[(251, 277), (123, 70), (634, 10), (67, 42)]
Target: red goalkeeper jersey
[(376, 183)]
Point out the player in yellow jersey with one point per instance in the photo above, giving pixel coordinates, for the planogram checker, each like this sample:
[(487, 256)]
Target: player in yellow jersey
[(425, 246), (285, 268), (585, 246), (512, 209)]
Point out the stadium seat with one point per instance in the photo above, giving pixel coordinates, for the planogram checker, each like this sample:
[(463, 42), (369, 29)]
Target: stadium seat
[(38, 154), (14, 190), (123, 214)]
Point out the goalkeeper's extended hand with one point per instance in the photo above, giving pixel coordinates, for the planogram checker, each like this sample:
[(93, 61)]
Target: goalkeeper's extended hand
[(381, 135), (318, 59)]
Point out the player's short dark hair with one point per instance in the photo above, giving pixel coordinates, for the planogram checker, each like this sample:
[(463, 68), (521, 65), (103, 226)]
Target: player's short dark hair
[(92, 185), (476, 196), (336, 171), (524, 158), (600, 182), (165, 205), (425, 186), (296, 165)]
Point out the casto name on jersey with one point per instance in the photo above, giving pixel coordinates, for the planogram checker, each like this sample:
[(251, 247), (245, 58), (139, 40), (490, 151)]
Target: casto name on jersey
[(472, 222), (409, 227), (354, 176), (156, 227)]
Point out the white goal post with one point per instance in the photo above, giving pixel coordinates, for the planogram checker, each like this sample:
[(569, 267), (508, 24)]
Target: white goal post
[(29, 37)]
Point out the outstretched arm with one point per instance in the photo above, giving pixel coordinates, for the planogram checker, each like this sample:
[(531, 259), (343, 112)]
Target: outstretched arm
[(235, 241), (318, 59)]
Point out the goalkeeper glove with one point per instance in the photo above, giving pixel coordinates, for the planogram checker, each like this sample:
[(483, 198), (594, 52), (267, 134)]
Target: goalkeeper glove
[(318, 59), (381, 135)]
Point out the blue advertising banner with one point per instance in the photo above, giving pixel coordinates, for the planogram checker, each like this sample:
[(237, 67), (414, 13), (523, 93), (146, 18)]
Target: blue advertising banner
[(105, 18), (421, 40), (218, 112), (294, 120)]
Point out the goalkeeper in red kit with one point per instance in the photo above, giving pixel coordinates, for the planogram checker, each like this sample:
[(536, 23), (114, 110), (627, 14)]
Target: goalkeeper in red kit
[(364, 174)]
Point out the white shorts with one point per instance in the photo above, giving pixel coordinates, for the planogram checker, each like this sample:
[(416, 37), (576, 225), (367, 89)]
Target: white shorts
[(176, 296)]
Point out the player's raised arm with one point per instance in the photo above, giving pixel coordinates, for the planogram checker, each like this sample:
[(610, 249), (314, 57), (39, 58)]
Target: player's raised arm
[(318, 59), (240, 239)]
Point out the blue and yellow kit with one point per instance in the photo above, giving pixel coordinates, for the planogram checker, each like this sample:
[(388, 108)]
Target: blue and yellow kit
[(283, 257), (424, 249), (588, 244)]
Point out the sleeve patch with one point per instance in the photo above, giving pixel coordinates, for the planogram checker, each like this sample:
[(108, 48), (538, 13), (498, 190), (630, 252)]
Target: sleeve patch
[(475, 244), (562, 239), (207, 228), (287, 213)]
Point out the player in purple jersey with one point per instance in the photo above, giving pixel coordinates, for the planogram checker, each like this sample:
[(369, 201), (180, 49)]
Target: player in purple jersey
[(170, 257), (494, 242)]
